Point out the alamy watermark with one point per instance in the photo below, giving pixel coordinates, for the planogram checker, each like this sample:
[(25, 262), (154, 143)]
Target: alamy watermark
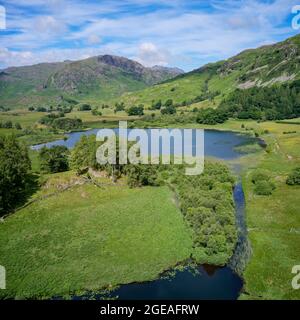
[(153, 146), (2, 18), (296, 18), (296, 279), (2, 278)]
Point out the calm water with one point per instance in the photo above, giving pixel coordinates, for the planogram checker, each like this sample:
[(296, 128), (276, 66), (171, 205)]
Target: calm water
[(219, 144), (209, 282)]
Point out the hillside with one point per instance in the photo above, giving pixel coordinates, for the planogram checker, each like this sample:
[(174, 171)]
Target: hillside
[(265, 66), (101, 77)]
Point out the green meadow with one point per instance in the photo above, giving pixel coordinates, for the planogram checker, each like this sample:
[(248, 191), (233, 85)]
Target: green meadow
[(86, 238)]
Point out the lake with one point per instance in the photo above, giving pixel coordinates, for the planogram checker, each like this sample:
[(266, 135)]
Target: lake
[(218, 144)]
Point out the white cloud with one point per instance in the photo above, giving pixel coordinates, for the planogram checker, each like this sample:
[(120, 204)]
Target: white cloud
[(177, 35), (149, 55), (48, 25), (93, 39)]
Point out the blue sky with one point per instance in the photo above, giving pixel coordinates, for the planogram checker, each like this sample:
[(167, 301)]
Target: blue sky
[(185, 34)]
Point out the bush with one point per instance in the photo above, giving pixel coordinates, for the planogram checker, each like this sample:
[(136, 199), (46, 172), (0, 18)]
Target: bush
[(18, 126), (260, 175), (8, 124), (136, 110), (294, 177), (85, 107), (264, 188), (66, 124), (168, 110)]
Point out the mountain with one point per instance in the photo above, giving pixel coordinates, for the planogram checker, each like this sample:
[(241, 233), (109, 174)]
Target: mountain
[(263, 67), (101, 77)]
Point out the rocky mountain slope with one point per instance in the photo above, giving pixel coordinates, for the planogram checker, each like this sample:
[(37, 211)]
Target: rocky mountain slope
[(266, 66), (101, 77)]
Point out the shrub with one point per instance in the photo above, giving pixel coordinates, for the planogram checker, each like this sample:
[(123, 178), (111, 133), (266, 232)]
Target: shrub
[(85, 107), (260, 175), (136, 110), (294, 177), (264, 188), (168, 110)]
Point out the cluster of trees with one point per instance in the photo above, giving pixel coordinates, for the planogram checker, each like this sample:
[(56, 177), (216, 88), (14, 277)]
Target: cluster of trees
[(165, 108), (207, 204), (136, 110), (119, 106), (14, 170), (9, 125), (54, 159), (83, 156), (59, 108), (211, 116), (57, 121), (264, 103), (207, 95), (142, 175), (4, 109), (294, 177), (96, 112), (263, 184), (168, 107)]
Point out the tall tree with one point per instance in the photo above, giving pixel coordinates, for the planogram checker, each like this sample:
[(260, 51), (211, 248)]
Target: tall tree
[(14, 169)]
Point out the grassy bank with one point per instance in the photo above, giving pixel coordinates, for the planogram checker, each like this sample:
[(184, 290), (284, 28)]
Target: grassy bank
[(273, 221), (87, 238)]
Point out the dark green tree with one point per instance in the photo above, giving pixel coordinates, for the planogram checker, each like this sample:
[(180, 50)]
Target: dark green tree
[(14, 170), (54, 159)]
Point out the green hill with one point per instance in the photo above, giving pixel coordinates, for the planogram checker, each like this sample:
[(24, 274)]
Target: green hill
[(262, 67), (101, 77)]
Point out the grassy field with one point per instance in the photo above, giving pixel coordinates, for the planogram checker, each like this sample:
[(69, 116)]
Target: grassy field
[(273, 221), (88, 238)]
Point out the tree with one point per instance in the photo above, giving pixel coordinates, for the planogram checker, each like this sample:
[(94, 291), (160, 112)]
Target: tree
[(169, 103), (119, 107), (14, 170), (85, 107), (41, 109), (211, 116), (84, 154), (141, 175), (136, 110), (170, 109), (95, 112), (66, 123), (54, 159), (156, 105), (18, 126)]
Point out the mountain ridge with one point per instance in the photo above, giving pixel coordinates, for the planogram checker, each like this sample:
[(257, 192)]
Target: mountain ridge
[(103, 76), (267, 65)]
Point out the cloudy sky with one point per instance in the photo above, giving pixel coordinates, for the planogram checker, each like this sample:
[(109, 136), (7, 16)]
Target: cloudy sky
[(186, 34)]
